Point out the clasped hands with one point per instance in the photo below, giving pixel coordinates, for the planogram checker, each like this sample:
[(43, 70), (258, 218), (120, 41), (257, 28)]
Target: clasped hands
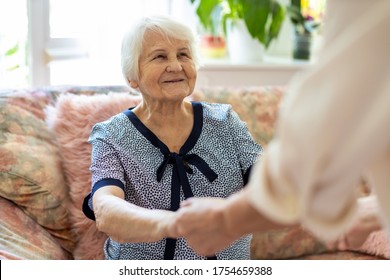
[(204, 224), (211, 224)]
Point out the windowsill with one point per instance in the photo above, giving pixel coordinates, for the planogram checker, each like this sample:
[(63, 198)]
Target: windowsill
[(270, 71), (269, 62)]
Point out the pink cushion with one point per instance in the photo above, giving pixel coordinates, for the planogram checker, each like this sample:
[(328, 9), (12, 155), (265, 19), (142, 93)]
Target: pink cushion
[(377, 244), (71, 121)]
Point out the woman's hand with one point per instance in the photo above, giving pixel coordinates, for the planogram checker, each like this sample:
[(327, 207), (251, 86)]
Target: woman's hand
[(202, 221), (212, 224)]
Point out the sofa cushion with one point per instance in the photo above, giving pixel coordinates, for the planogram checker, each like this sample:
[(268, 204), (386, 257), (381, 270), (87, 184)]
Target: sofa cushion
[(23, 238), (285, 244), (257, 106), (71, 120), (296, 243), (30, 165), (377, 244)]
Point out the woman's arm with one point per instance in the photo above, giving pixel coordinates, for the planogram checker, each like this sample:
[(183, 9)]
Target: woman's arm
[(126, 222)]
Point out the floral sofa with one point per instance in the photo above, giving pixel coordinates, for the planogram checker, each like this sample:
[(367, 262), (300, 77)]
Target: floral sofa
[(44, 176)]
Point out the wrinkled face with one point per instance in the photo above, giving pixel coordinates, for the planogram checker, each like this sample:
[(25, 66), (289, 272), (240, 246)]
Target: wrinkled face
[(166, 69)]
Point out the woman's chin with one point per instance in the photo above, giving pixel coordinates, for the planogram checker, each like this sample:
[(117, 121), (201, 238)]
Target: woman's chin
[(178, 91)]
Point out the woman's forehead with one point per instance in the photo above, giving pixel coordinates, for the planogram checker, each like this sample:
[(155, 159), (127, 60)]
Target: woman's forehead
[(154, 39)]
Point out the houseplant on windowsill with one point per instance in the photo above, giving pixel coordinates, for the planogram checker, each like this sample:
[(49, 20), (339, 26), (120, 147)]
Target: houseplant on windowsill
[(213, 41), (261, 19), (305, 25)]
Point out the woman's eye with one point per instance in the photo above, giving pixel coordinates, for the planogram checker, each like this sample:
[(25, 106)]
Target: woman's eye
[(160, 56)]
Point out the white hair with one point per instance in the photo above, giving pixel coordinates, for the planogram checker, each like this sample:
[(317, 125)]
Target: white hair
[(132, 42)]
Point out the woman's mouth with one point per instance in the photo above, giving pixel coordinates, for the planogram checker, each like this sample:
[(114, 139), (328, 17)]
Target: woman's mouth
[(174, 81)]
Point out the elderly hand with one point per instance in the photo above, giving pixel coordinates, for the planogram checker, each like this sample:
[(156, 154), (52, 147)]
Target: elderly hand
[(212, 224), (203, 222)]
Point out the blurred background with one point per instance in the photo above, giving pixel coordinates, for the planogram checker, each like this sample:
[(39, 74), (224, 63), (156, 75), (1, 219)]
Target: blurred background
[(59, 42)]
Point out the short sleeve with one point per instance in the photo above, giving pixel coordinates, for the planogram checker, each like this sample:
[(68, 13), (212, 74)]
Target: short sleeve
[(106, 168), (105, 162), (248, 150)]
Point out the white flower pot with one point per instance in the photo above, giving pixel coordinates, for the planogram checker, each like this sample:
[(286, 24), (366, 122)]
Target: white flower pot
[(242, 47)]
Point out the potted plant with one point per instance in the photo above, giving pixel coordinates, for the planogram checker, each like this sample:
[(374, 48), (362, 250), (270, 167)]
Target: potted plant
[(213, 43), (305, 21), (262, 18)]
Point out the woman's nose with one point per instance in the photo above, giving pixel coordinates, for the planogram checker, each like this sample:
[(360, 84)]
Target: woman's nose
[(174, 65)]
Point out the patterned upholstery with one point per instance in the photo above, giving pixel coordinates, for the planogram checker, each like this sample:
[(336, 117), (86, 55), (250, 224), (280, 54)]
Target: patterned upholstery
[(35, 189)]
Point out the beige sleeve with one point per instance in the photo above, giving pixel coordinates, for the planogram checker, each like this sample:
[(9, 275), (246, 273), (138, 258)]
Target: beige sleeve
[(334, 122)]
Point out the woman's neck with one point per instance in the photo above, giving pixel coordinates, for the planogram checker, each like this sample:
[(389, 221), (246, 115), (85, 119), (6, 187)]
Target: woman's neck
[(164, 113), (171, 123)]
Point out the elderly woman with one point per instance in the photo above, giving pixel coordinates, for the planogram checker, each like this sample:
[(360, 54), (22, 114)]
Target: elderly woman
[(149, 158)]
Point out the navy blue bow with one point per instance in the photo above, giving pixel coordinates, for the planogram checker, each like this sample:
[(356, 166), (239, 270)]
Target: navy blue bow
[(179, 174), (179, 179)]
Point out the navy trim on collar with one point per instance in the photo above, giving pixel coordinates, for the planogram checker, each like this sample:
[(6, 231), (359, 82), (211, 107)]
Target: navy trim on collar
[(190, 142)]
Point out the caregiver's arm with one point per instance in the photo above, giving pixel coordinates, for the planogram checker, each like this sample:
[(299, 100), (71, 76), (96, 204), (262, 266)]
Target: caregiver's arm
[(331, 126)]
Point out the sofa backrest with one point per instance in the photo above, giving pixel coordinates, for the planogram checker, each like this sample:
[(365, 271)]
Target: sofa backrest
[(256, 106)]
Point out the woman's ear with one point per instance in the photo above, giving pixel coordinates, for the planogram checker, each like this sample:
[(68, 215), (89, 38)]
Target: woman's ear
[(133, 84)]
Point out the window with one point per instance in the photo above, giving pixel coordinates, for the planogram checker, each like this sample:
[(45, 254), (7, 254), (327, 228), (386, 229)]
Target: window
[(57, 42), (13, 44), (82, 44)]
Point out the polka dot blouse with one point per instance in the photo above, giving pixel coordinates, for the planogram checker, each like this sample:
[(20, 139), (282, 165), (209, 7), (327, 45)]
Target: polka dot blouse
[(215, 161)]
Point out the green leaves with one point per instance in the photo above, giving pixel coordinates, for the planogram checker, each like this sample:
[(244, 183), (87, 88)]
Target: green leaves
[(256, 13), (295, 15), (204, 12), (12, 50), (277, 17), (302, 25), (263, 18)]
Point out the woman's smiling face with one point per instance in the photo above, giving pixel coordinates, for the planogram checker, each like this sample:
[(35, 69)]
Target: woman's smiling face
[(166, 69)]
